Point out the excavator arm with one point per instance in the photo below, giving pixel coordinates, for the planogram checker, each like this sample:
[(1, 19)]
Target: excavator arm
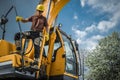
[(52, 9)]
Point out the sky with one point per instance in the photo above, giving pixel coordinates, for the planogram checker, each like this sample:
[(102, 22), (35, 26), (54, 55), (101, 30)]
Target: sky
[(87, 21), (91, 20)]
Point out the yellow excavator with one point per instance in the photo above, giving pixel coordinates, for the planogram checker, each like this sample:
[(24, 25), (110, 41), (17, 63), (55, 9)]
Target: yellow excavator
[(59, 56)]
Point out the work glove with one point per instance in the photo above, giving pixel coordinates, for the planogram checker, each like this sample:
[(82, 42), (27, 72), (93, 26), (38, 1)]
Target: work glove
[(18, 18), (46, 37)]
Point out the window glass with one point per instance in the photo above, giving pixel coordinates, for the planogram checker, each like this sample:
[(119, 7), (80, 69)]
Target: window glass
[(69, 51), (57, 45), (46, 49), (70, 56), (69, 67)]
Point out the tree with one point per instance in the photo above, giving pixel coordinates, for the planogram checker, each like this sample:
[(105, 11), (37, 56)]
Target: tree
[(104, 61)]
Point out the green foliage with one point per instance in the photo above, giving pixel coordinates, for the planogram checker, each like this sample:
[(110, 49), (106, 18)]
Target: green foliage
[(104, 61)]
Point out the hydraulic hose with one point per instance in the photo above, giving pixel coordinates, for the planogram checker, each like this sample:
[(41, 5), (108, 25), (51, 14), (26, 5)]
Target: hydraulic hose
[(22, 52)]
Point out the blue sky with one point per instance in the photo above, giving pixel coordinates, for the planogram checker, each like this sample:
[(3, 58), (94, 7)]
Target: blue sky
[(91, 20), (87, 21)]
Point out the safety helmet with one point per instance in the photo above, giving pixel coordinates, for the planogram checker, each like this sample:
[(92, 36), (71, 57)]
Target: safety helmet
[(40, 7)]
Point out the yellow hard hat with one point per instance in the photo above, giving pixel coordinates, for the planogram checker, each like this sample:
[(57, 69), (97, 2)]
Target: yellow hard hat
[(40, 7)]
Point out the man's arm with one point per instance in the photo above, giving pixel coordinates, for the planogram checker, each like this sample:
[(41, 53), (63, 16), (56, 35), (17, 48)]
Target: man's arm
[(47, 30), (18, 18), (25, 20)]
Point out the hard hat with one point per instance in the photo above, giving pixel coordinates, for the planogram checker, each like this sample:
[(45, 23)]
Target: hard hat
[(40, 7)]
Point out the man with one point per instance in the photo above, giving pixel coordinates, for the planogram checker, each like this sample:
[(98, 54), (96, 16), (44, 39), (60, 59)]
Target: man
[(38, 23)]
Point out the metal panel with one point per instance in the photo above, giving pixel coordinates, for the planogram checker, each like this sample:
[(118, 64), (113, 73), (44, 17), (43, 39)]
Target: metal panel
[(7, 71)]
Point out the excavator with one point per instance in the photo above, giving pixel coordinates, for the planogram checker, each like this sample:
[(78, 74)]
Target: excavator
[(59, 56)]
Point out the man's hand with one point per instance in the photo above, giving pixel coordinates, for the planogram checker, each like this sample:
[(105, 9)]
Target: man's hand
[(18, 18), (46, 37)]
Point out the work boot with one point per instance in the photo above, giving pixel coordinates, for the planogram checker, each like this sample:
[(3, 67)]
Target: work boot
[(34, 65), (35, 62)]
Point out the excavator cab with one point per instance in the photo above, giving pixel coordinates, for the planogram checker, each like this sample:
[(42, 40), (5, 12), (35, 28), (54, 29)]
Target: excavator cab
[(65, 65)]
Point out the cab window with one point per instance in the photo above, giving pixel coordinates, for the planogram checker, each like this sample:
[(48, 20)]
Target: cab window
[(71, 63)]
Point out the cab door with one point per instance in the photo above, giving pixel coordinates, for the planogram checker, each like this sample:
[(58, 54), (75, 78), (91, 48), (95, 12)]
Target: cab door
[(64, 65), (71, 62)]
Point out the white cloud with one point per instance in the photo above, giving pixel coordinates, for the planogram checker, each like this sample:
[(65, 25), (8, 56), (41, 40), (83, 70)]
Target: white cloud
[(79, 33), (82, 3), (112, 7), (84, 42), (90, 28), (79, 41), (116, 16), (75, 16), (96, 37), (104, 5), (102, 26), (92, 42), (89, 43), (105, 26)]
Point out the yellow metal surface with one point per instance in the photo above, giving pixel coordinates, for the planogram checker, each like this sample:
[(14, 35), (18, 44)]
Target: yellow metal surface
[(6, 48), (58, 67), (16, 60), (50, 51), (70, 75), (56, 9), (30, 50), (46, 4), (13, 57)]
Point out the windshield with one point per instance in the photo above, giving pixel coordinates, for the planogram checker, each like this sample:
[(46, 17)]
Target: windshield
[(71, 61), (11, 27)]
